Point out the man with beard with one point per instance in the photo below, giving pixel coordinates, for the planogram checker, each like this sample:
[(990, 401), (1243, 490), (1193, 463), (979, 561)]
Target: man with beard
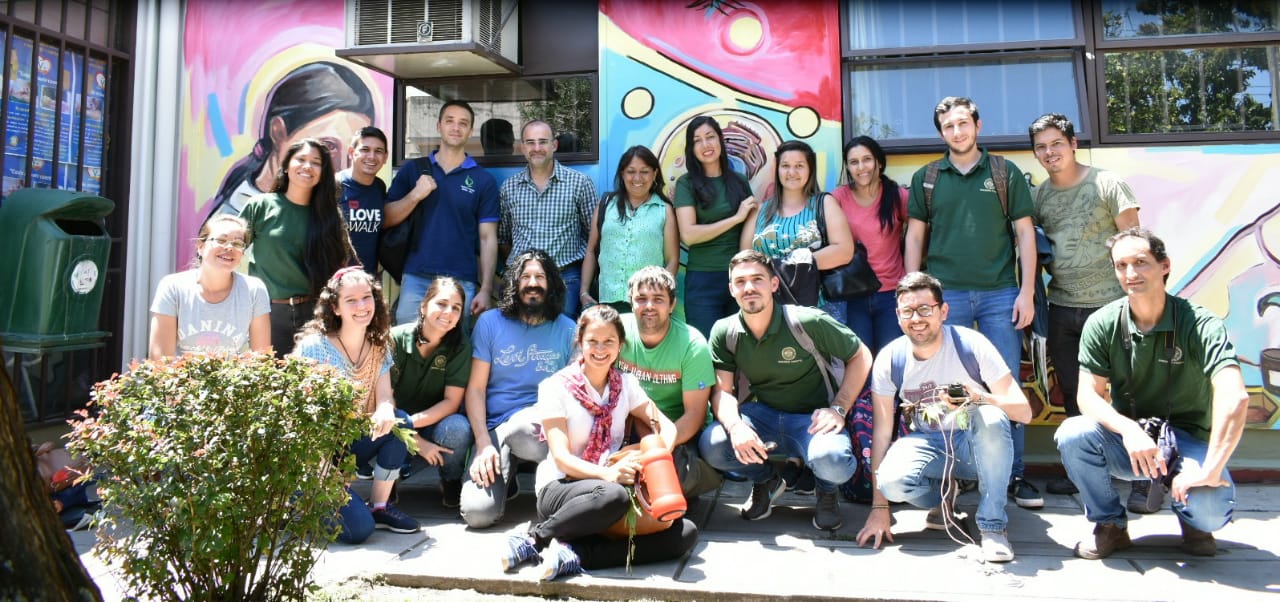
[(673, 364), (515, 345), (959, 219), (548, 206), (778, 349), (364, 194), (962, 433)]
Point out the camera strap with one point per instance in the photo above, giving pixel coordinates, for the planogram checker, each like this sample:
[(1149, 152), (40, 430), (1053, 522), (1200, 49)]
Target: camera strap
[(1126, 340)]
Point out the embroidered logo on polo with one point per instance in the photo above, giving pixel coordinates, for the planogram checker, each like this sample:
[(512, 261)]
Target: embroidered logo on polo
[(988, 185), (788, 356), (439, 362), (468, 185)]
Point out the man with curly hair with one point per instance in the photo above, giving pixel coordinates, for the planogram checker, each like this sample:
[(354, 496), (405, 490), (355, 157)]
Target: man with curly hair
[(515, 346)]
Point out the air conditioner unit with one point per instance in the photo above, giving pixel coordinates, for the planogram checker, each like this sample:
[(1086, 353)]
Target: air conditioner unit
[(417, 39)]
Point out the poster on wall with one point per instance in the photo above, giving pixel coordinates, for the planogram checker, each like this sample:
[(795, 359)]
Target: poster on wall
[(246, 103), (45, 115), (69, 127), (94, 106), (18, 110)]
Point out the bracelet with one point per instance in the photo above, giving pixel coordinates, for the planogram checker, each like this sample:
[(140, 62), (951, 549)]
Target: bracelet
[(879, 506)]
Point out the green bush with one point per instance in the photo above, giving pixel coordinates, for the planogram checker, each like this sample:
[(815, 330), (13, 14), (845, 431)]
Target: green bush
[(218, 476)]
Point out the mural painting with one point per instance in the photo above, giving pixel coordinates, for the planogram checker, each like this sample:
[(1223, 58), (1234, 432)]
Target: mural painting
[(247, 101)]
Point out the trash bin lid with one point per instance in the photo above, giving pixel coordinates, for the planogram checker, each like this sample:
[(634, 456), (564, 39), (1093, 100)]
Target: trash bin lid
[(24, 205)]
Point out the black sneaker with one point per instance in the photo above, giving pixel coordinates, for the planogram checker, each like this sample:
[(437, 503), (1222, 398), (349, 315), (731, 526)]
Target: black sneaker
[(762, 495), (392, 519), (1024, 494), (1062, 486), (450, 493), (805, 484), (826, 514), (1145, 497), (364, 473), (791, 473)]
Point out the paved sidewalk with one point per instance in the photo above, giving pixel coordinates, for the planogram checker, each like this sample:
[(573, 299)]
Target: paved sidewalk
[(783, 556)]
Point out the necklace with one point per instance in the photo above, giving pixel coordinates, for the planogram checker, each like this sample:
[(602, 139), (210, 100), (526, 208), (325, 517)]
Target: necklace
[(356, 360)]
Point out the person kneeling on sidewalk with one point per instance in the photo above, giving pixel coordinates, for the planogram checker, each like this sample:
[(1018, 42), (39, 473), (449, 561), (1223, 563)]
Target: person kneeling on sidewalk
[(784, 352), (1163, 358), (960, 429)]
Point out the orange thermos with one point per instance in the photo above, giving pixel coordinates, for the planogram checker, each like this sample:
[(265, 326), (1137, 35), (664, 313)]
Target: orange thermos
[(659, 487)]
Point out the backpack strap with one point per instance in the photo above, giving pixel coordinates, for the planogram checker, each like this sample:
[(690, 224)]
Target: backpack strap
[(1000, 177), (806, 343), (897, 367), (600, 209), (930, 178), (965, 351)]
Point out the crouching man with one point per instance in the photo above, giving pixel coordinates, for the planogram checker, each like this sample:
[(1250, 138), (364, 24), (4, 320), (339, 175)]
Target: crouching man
[(1163, 358), (958, 432)]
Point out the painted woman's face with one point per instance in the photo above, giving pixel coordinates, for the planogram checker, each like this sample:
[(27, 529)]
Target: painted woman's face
[(335, 129)]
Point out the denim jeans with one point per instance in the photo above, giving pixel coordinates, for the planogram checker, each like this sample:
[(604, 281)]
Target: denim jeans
[(707, 299), (1094, 455), (355, 520), (874, 319), (829, 456), (991, 311), (453, 432), (387, 453), (912, 469), (572, 276), (413, 287), (484, 506), (1065, 326)]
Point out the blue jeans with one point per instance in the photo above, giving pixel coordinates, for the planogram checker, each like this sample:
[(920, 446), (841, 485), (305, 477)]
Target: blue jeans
[(1094, 455), (572, 276), (874, 319), (355, 520), (707, 299), (912, 469), (413, 287), (453, 432), (387, 452), (829, 456), (991, 311)]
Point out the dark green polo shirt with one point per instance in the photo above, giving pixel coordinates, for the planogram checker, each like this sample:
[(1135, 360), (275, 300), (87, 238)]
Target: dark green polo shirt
[(1181, 388), (782, 375), (418, 382), (969, 244)]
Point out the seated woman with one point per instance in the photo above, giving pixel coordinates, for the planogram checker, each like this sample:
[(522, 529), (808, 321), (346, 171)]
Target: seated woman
[(350, 332), (211, 307), (432, 365), (584, 411)]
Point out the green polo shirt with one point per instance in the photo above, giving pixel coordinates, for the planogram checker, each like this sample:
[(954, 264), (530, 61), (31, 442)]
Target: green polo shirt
[(969, 244), (782, 375), (418, 382), (1183, 388), (680, 363), (279, 230)]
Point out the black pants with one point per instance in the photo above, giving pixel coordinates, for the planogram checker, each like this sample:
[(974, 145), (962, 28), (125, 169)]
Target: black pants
[(576, 512), (286, 320), (1065, 326)]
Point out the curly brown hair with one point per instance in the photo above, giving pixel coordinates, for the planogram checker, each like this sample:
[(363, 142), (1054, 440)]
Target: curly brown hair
[(325, 321)]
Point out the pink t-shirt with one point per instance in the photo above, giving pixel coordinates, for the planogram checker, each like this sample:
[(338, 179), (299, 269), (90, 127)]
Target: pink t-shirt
[(884, 249)]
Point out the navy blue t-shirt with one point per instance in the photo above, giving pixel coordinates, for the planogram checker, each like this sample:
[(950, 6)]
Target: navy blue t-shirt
[(449, 235), (362, 208)]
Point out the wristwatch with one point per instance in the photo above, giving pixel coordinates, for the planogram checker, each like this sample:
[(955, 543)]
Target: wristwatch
[(840, 410)]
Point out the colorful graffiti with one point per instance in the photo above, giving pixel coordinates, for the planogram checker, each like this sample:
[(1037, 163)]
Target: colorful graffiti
[(769, 71), (257, 80)]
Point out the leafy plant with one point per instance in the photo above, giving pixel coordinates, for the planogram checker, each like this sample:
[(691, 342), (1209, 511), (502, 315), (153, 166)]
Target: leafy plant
[(220, 474)]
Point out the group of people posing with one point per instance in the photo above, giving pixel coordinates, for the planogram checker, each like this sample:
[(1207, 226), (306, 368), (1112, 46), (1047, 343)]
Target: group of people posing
[(766, 394)]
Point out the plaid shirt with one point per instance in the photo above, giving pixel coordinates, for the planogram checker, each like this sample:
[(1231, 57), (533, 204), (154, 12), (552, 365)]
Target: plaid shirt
[(556, 220)]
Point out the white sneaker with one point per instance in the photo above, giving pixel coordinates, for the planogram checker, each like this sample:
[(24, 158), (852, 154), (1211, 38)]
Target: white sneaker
[(995, 547)]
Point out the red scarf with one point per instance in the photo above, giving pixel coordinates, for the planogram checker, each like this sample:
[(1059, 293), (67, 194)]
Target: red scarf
[(602, 416)]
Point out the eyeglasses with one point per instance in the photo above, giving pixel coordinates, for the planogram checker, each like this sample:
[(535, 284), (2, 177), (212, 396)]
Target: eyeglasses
[(923, 311), (222, 242)]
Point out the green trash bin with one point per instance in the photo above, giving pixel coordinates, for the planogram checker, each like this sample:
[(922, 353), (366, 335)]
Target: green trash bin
[(53, 263)]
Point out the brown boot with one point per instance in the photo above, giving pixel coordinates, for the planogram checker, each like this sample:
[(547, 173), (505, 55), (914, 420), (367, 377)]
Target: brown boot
[(1196, 542), (1107, 538)]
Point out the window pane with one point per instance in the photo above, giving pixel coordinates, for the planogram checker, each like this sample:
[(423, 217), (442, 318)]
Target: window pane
[(875, 24), (1142, 19), (501, 106), (1201, 90), (897, 101)]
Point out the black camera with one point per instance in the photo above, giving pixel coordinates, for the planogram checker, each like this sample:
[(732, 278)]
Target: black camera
[(957, 391)]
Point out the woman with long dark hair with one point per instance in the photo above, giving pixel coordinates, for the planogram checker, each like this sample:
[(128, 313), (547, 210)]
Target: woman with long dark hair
[(625, 230), (712, 203), (432, 364), (787, 223), (298, 236), (876, 207), (584, 409), (212, 307), (351, 331), (321, 100)]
